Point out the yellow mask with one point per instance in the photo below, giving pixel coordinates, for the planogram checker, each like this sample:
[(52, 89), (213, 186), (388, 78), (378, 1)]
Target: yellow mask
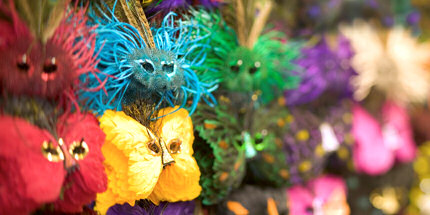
[(143, 165)]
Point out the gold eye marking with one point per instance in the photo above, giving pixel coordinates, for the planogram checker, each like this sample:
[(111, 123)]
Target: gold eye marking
[(79, 149), (174, 145), (53, 154)]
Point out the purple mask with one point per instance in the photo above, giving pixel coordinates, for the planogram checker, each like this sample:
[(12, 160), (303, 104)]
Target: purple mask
[(323, 71)]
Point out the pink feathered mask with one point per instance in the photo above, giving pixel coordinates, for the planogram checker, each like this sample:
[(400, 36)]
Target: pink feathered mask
[(325, 195), (378, 146)]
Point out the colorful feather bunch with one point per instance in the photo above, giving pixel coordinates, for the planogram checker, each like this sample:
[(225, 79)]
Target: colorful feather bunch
[(252, 72), (51, 157), (159, 107)]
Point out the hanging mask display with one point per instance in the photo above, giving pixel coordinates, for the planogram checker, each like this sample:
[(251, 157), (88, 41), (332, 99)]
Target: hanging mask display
[(248, 68)]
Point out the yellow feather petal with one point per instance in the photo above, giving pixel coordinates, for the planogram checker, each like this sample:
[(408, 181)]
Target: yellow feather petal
[(177, 125), (178, 182), (104, 201), (132, 169)]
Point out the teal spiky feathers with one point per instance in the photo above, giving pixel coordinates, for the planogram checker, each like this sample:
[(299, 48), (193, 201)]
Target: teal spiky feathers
[(162, 75)]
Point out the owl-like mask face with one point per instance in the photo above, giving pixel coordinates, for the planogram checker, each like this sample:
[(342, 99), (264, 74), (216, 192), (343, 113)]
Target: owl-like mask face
[(157, 70), (243, 70), (142, 164), (28, 67), (40, 168), (31, 66)]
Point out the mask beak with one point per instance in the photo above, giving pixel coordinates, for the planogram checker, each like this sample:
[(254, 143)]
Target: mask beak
[(166, 157), (70, 164)]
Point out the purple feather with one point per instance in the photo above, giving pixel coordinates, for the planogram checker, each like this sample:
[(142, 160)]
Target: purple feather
[(325, 71), (166, 6), (175, 208)]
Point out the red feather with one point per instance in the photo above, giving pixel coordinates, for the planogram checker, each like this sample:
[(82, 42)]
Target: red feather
[(81, 186), (48, 70), (29, 180)]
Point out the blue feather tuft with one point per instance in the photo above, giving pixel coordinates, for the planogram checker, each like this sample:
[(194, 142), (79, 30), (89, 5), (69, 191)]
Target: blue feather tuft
[(135, 71)]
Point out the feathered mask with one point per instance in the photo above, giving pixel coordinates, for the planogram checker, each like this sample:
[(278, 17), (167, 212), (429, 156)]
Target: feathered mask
[(324, 71), (152, 66), (44, 49), (52, 160), (148, 164), (323, 195), (249, 72), (395, 66), (39, 162), (378, 145), (257, 63), (219, 152)]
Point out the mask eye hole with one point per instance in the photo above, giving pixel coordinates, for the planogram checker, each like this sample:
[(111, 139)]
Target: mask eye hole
[(52, 153), (79, 149), (260, 137), (49, 70), (50, 66), (255, 68), (236, 67), (168, 68), (22, 64), (146, 65), (175, 146), (258, 140), (154, 147)]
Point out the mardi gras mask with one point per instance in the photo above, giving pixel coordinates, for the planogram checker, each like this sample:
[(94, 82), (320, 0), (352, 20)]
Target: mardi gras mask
[(323, 71), (378, 146), (219, 152), (44, 54), (142, 164), (399, 61), (39, 169), (259, 63), (325, 195), (268, 165), (150, 64)]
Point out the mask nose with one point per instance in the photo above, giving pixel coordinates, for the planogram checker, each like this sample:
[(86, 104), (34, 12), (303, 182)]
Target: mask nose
[(166, 157), (70, 163)]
